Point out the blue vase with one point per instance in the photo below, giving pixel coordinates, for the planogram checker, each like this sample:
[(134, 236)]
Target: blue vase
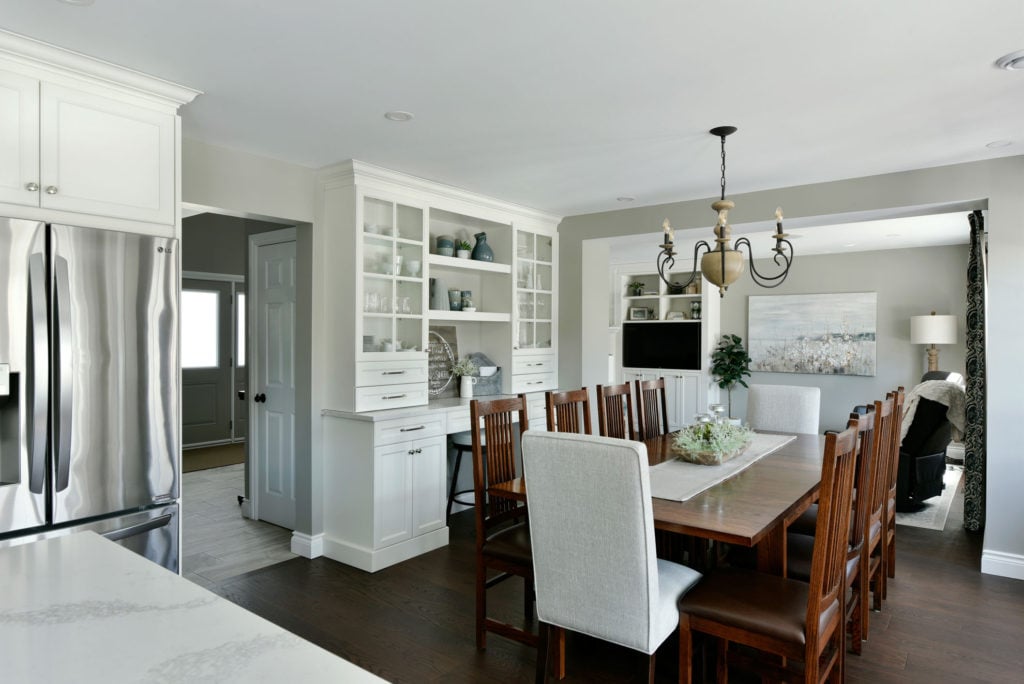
[(482, 251)]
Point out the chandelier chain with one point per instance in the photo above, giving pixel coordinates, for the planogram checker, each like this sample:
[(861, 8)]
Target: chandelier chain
[(723, 167)]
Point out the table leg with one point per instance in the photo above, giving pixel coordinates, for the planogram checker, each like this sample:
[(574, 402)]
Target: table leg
[(771, 552)]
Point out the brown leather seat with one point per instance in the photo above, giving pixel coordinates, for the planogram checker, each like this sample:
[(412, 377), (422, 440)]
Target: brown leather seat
[(511, 544)]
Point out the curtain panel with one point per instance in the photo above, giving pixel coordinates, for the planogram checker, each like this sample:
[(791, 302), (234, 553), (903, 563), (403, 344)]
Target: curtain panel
[(974, 439)]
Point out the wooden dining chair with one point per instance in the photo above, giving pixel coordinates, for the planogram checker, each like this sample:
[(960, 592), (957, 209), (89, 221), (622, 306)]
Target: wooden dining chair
[(615, 411), (568, 411), (796, 620), (651, 408), (800, 547), (502, 534), (582, 489), (873, 565), (890, 501)]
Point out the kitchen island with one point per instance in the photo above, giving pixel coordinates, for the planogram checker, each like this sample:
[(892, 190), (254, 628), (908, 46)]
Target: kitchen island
[(81, 608)]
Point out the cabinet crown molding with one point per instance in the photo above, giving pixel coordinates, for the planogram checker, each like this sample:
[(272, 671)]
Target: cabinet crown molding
[(36, 53)]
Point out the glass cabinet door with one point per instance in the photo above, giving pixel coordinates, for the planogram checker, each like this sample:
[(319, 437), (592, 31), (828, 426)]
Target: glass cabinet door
[(392, 277), (534, 290)]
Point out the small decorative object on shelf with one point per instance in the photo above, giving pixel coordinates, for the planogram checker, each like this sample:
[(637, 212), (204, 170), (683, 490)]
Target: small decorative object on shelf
[(711, 443), (455, 300), (695, 310), (462, 248), (445, 245), (636, 288), (638, 313), (482, 251), (676, 289), (467, 301), (464, 369)]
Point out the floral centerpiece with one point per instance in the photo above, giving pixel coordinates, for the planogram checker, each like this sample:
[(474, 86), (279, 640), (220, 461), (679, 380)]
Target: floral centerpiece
[(711, 443)]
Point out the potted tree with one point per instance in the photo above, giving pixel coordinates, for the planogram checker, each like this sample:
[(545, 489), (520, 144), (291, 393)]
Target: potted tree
[(729, 364)]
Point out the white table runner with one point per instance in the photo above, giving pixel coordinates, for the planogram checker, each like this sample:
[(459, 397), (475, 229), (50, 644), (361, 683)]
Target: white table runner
[(678, 480)]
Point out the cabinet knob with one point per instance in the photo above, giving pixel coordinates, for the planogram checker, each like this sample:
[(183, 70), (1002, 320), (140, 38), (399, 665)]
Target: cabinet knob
[(32, 187), (51, 189)]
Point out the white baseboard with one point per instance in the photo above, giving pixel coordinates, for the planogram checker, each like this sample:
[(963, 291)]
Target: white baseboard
[(372, 560), (307, 546), (1002, 564)]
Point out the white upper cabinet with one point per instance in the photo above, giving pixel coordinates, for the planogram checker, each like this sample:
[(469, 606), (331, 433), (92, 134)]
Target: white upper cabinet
[(105, 157), (19, 139)]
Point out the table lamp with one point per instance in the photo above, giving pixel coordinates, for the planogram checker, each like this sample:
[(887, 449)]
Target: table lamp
[(933, 330)]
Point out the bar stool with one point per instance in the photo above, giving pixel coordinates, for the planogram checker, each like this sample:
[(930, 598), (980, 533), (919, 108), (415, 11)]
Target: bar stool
[(462, 442)]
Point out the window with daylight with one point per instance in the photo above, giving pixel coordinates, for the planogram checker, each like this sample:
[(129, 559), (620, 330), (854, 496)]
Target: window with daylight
[(199, 329)]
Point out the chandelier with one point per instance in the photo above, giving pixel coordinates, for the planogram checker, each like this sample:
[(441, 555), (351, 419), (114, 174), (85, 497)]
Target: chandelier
[(724, 264)]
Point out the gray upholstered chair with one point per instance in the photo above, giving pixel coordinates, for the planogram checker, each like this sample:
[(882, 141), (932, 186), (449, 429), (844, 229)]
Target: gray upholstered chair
[(592, 530), (784, 408)]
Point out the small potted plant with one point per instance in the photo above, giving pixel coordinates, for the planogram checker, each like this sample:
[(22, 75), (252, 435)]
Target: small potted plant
[(462, 249), (636, 288), (711, 443), (729, 364), (465, 370)]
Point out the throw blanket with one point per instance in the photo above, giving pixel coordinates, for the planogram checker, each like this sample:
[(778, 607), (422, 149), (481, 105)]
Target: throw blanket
[(949, 394), (678, 480)]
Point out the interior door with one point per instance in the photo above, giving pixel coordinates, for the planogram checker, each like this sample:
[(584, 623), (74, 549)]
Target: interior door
[(206, 311), (272, 384)]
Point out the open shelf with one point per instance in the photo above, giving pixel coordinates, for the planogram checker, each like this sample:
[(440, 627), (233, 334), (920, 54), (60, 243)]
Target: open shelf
[(468, 264)]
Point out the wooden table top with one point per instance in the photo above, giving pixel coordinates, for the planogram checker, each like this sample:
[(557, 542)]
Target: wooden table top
[(746, 509)]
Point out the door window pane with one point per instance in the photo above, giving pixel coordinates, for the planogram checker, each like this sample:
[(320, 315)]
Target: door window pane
[(199, 338), (240, 329)]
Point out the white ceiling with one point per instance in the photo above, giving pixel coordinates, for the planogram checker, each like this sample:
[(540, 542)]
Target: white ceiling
[(566, 105)]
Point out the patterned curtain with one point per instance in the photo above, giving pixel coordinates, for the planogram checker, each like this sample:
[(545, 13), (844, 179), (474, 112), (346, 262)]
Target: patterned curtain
[(974, 439)]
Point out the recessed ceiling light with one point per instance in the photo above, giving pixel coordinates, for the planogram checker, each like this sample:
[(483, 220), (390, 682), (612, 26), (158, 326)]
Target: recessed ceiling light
[(850, 244), (1011, 62), (892, 235), (999, 143), (398, 115), (625, 198), (77, 3)]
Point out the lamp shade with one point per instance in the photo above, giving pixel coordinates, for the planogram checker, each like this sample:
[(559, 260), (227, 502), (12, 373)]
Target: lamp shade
[(933, 329)]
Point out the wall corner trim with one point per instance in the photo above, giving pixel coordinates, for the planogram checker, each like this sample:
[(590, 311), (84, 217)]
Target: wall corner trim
[(307, 546)]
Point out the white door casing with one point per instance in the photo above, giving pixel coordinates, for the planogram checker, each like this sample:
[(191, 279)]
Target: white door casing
[(272, 384)]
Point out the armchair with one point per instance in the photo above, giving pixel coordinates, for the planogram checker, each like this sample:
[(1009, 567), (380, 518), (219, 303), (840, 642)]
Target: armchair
[(933, 416)]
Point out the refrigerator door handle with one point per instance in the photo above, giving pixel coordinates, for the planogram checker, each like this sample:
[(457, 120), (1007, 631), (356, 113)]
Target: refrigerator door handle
[(39, 363), (62, 304), (125, 532)]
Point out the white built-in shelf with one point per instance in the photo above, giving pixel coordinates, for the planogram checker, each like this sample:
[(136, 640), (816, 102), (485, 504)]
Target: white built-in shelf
[(468, 264), (463, 316)]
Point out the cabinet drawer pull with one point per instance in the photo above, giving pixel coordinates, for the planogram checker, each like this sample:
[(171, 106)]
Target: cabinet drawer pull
[(51, 189), (393, 396), (401, 372), (415, 451), (32, 187), (413, 429), (536, 382)]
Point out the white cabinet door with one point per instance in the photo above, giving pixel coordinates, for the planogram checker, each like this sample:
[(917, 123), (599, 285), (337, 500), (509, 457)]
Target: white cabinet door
[(429, 473), (105, 157), (19, 139), (392, 503)]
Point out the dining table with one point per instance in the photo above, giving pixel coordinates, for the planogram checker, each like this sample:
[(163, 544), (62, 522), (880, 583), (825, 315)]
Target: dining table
[(750, 509)]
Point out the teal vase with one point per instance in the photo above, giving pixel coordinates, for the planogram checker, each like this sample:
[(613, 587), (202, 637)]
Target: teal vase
[(482, 251)]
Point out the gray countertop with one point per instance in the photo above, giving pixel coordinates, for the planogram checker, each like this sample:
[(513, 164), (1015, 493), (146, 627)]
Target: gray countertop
[(450, 404), (80, 608)]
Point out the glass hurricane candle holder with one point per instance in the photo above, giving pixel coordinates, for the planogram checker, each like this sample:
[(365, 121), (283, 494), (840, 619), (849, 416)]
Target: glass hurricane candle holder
[(718, 411)]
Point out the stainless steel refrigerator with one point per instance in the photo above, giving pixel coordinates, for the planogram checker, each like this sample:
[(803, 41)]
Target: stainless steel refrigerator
[(89, 386)]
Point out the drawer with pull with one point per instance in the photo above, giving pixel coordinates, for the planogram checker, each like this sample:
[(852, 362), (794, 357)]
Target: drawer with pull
[(426, 424), (534, 382), (532, 364), (390, 396), (372, 373)]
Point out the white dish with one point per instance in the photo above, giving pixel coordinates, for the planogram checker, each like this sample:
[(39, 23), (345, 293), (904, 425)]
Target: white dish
[(488, 371), (469, 309)]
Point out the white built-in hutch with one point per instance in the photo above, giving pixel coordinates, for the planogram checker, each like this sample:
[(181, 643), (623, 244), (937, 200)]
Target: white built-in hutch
[(384, 438)]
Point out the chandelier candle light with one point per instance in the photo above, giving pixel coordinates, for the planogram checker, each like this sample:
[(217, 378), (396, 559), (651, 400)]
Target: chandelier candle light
[(724, 264)]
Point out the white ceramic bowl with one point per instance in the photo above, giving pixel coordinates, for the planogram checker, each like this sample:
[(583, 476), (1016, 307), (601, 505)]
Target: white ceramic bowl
[(488, 371)]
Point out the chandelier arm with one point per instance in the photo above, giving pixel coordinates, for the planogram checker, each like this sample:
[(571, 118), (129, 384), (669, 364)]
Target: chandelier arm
[(780, 257), (666, 260)]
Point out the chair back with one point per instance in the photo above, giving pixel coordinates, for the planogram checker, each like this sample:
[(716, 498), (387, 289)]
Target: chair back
[(865, 477), (828, 567), (568, 411), (651, 408), (883, 456), (615, 411), (894, 441), (499, 463), (784, 408), (592, 533)]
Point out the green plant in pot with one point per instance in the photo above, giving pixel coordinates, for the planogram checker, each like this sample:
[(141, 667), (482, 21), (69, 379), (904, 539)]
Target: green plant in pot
[(636, 288), (729, 364)]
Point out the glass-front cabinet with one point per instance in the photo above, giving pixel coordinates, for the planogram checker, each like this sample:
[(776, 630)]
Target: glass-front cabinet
[(534, 365), (393, 294)]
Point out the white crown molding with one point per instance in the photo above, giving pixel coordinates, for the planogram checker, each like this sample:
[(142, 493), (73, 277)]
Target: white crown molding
[(37, 53), (353, 171)]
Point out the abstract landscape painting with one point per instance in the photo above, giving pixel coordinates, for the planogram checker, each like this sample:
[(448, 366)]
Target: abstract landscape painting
[(823, 334)]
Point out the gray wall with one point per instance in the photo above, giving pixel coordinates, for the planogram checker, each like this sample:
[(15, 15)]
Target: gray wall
[(915, 282), (213, 243), (994, 185)]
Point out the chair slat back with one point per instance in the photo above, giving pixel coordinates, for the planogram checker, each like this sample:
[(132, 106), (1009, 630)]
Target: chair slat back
[(651, 408), (500, 435), (828, 568), (882, 453), (615, 411), (866, 476), (894, 442), (568, 411)]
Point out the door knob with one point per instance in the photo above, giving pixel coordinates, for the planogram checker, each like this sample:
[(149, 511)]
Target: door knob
[(260, 398), (241, 395)]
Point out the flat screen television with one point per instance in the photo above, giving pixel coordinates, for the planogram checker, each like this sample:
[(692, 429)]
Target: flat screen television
[(660, 344)]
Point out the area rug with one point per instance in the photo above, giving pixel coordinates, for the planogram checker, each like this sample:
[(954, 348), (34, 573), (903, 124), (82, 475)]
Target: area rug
[(212, 457), (936, 510)]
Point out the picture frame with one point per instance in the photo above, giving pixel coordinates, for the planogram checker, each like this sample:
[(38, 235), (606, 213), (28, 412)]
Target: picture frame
[(675, 316), (638, 313)]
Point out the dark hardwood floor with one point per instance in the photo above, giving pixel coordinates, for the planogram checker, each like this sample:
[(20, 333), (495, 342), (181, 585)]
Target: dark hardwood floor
[(944, 621)]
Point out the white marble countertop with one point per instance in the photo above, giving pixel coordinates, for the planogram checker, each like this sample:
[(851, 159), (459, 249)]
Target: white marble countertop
[(82, 609), (449, 404)]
